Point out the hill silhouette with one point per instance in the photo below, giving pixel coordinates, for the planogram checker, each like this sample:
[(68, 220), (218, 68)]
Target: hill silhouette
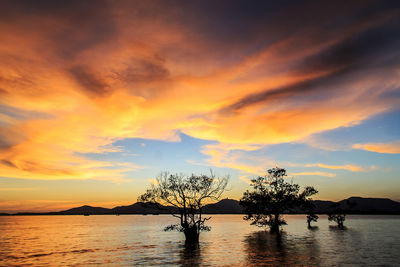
[(231, 206), (370, 205), (86, 210), (226, 206), (142, 208)]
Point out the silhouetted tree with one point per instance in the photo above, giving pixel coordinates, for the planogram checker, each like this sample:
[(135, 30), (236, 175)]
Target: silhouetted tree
[(272, 196), (338, 214), (311, 217), (337, 217), (308, 206), (187, 194)]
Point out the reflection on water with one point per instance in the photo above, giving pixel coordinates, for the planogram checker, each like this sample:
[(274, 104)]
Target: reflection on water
[(264, 248), (313, 228), (139, 240), (190, 255)]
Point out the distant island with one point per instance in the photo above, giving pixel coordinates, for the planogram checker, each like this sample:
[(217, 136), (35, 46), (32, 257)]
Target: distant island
[(231, 206)]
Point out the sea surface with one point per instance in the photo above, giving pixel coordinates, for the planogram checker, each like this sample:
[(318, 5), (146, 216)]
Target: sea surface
[(133, 240)]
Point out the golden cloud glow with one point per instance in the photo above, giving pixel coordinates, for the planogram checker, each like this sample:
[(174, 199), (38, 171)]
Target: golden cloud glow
[(389, 148), (327, 174), (152, 77), (348, 167)]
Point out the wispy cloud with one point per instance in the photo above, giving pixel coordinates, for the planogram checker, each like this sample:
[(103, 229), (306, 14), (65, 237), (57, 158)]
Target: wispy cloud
[(245, 179), (235, 157), (389, 148), (347, 167), (327, 174)]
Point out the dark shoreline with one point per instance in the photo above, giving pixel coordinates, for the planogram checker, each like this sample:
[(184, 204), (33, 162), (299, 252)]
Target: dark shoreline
[(109, 214), (360, 206)]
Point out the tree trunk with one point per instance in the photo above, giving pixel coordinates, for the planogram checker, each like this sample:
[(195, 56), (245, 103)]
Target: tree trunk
[(274, 228), (191, 235), (275, 225)]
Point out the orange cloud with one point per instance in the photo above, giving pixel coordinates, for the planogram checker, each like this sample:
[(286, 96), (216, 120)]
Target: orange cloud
[(148, 75), (348, 167), (327, 174), (389, 148)]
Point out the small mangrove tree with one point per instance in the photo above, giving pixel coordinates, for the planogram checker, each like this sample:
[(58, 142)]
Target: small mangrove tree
[(186, 195), (271, 196)]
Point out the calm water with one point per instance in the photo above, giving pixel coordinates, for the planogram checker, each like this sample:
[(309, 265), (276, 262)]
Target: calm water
[(128, 240)]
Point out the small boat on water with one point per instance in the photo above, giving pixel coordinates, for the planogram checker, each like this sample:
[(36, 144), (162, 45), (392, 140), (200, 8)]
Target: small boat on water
[(86, 214)]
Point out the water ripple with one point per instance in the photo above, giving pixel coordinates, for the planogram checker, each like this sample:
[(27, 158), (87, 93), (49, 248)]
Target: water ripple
[(139, 240)]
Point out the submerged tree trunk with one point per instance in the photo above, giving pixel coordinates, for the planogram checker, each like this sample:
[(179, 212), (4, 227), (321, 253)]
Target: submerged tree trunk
[(274, 228), (191, 235)]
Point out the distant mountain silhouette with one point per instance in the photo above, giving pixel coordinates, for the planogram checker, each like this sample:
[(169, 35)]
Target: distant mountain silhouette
[(229, 206), (352, 205), (86, 210), (322, 206), (370, 205), (142, 208)]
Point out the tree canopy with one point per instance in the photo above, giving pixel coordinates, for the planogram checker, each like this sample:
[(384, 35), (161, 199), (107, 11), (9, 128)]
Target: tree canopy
[(272, 195), (188, 195), (338, 214)]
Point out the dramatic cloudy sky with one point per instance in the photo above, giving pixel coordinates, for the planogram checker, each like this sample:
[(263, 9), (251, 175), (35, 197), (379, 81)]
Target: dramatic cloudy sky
[(98, 97)]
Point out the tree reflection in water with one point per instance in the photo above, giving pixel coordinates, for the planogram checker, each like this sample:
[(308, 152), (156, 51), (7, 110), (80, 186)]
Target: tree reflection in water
[(190, 255), (266, 249)]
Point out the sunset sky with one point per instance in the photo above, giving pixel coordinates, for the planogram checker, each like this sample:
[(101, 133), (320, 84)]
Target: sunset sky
[(98, 97)]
